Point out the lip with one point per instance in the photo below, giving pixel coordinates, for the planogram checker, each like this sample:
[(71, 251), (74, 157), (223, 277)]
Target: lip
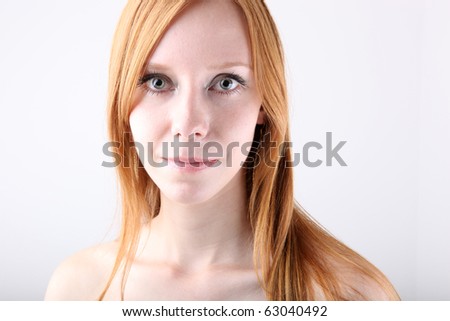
[(190, 164)]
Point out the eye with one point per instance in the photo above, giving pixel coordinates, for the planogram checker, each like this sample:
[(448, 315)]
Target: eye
[(156, 83), (227, 84)]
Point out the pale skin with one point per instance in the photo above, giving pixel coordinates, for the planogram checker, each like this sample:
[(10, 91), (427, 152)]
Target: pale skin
[(199, 247)]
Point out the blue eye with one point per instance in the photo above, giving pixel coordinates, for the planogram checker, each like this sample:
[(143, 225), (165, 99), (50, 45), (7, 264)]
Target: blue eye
[(227, 84), (155, 83)]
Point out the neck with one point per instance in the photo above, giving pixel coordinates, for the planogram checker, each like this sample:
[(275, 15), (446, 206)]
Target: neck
[(201, 236)]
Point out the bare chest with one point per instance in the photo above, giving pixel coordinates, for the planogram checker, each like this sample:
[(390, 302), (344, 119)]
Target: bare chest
[(163, 283)]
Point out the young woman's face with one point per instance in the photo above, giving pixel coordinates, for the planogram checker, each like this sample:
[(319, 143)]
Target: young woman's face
[(196, 108)]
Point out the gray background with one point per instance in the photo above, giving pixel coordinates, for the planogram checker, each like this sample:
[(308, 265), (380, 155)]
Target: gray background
[(374, 73)]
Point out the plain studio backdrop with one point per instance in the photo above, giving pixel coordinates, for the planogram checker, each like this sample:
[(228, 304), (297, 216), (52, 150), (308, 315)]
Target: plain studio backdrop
[(375, 74)]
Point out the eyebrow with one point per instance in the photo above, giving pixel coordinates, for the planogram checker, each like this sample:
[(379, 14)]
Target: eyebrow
[(230, 64), (156, 66), (212, 67)]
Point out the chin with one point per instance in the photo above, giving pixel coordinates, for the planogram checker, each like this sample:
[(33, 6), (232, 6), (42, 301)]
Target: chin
[(187, 195), (196, 190)]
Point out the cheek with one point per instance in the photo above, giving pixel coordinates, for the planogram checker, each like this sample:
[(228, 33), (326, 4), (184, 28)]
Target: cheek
[(238, 130), (239, 124), (145, 125)]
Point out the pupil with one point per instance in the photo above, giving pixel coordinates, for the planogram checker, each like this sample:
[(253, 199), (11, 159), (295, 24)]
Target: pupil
[(226, 83), (158, 83)]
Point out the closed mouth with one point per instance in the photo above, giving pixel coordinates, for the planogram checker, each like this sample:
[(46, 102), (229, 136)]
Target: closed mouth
[(192, 162)]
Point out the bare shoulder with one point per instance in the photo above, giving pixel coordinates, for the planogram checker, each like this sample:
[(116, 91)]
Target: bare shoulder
[(360, 286), (364, 282), (83, 275)]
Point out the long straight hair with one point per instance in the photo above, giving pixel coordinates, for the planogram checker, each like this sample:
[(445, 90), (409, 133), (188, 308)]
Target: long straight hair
[(295, 254)]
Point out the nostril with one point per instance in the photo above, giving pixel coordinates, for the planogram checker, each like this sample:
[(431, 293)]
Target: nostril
[(190, 119)]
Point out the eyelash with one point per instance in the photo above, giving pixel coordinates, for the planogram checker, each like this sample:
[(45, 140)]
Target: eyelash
[(147, 77), (235, 77)]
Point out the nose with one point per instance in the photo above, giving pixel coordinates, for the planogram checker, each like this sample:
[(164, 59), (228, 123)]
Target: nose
[(191, 115)]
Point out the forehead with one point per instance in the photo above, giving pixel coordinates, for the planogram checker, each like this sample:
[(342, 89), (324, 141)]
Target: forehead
[(209, 32)]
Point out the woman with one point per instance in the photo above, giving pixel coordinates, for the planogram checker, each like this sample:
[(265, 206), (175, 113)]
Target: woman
[(202, 223)]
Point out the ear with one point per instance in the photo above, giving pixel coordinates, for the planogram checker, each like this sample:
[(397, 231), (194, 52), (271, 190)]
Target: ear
[(261, 117)]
